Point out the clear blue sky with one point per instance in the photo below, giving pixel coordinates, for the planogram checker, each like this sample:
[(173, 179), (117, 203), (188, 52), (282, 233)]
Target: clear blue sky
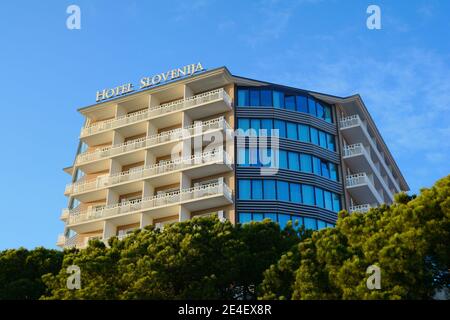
[(48, 71)]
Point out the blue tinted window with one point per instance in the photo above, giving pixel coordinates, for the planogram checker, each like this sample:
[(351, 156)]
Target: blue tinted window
[(314, 136), (328, 117), (278, 99), (244, 189), (325, 171), (317, 166), (266, 98), (245, 217), (330, 139), (258, 217), (291, 130), (319, 198), (333, 172), (336, 203), (328, 200), (281, 126), (253, 156), (243, 98), (310, 223), (243, 124), (303, 131), (302, 104), (269, 189), (308, 194), (254, 98), (271, 216), (289, 102), (256, 125), (296, 195), (330, 225), (293, 161), (267, 124), (306, 163), (242, 161), (283, 160), (282, 191), (283, 220), (265, 157), (320, 111), (312, 106), (322, 139), (257, 191), (321, 224)]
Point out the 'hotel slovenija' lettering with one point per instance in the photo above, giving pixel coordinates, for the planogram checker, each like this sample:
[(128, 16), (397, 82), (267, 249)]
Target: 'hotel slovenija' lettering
[(147, 82)]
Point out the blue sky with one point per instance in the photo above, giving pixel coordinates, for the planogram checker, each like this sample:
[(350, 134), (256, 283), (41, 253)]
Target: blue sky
[(48, 71)]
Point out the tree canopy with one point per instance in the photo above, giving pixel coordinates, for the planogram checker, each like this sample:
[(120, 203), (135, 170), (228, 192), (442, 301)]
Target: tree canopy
[(21, 271), (201, 258), (408, 241)]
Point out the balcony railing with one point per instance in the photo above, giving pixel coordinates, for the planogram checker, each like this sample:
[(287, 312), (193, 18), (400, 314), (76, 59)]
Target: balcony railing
[(147, 203), (168, 136), (354, 149), (360, 208), (357, 179), (146, 114), (356, 120), (103, 181)]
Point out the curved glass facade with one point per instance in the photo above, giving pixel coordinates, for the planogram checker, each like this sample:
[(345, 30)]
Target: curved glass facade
[(256, 97), (288, 130), (282, 219), (268, 193), (279, 190)]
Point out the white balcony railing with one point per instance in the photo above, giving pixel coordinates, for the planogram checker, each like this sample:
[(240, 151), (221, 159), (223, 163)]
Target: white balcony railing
[(360, 208), (356, 120), (146, 114), (350, 121), (354, 149), (143, 143), (357, 179), (103, 181), (147, 203)]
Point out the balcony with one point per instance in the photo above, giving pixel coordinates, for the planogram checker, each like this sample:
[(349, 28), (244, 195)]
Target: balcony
[(217, 162), (193, 199), (354, 130), (64, 215), (358, 158), (362, 189), (153, 141), (364, 208), (219, 97)]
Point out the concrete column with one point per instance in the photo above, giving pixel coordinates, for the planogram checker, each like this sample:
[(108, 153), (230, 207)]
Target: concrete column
[(145, 220), (187, 91), (109, 229), (184, 214)]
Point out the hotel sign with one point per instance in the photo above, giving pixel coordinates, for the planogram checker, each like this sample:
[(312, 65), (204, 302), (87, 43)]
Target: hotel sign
[(147, 82)]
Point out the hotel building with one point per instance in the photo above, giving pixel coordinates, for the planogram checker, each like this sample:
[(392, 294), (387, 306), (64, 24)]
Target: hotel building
[(328, 152)]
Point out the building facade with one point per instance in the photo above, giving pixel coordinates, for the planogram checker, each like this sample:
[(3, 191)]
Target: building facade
[(216, 143)]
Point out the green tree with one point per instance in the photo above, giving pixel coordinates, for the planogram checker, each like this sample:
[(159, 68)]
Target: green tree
[(409, 241), (21, 271), (201, 258)]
